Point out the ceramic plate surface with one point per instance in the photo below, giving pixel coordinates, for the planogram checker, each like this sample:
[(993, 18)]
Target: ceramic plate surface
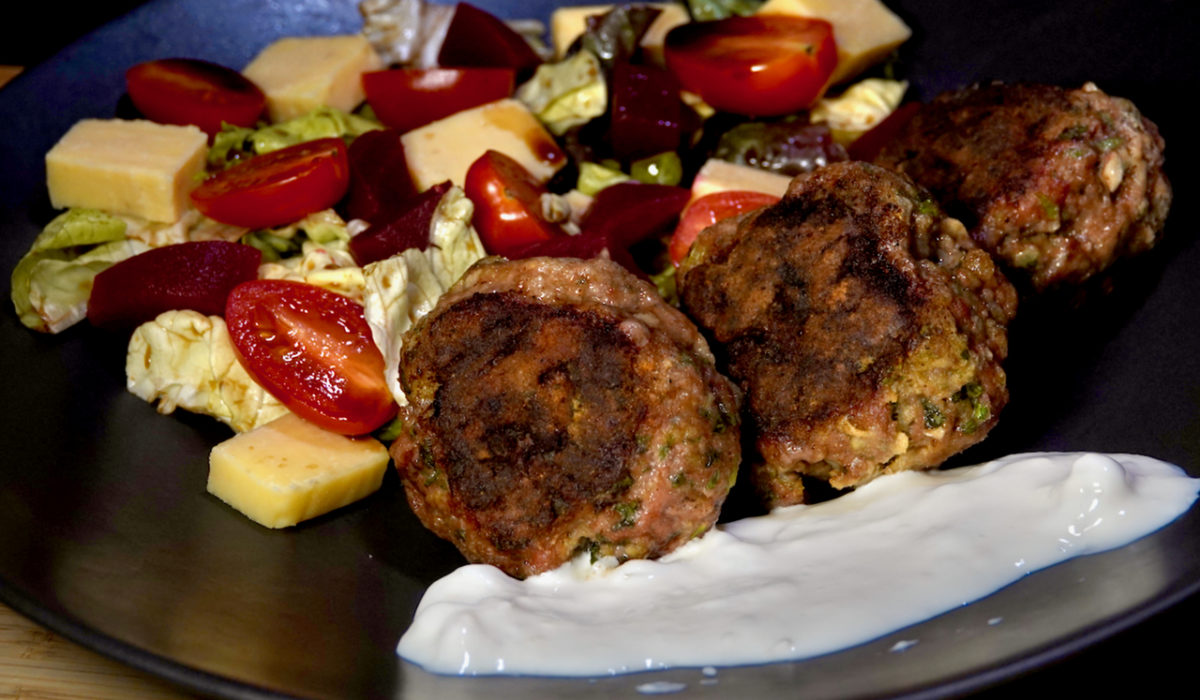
[(109, 537)]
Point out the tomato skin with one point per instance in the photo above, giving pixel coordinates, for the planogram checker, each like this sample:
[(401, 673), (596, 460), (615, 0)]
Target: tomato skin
[(708, 210), (762, 65), (406, 98), (191, 91), (312, 349), (507, 198), (279, 187)]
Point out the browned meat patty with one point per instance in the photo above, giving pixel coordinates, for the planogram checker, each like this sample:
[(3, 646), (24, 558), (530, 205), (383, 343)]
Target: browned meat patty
[(864, 326), (1058, 184), (560, 406)]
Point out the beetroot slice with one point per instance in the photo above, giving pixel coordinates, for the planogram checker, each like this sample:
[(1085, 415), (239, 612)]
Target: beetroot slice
[(478, 38), (379, 179), (647, 114), (629, 212), (407, 227), (196, 276)]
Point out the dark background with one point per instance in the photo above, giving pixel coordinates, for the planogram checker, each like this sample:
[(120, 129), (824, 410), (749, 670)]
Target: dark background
[(38, 30)]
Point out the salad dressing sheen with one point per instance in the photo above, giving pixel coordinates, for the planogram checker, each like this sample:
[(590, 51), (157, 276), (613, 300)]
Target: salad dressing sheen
[(801, 581)]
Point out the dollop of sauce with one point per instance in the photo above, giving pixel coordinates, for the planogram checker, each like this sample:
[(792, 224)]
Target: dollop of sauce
[(804, 580)]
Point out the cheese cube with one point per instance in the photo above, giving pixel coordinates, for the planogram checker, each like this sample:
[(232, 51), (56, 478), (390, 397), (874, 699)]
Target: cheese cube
[(568, 23), (444, 149), (719, 176), (137, 168), (299, 74), (290, 470), (865, 30), (672, 15)]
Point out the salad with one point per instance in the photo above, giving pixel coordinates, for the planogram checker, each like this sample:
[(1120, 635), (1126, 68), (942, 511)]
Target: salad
[(287, 223)]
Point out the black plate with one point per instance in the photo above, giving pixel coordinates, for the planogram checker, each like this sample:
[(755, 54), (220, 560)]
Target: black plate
[(109, 536)]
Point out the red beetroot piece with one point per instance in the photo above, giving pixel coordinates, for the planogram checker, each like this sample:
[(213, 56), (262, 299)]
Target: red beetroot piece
[(406, 228), (380, 183), (479, 38), (197, 275), (647, 115)]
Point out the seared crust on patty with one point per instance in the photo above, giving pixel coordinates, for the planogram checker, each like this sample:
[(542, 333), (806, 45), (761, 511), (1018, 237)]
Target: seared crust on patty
[(863, 325), (1058, 184), (559, 406)]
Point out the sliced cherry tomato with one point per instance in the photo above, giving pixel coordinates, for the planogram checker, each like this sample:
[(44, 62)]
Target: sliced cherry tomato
[(277, 188), (762, 65), (312, 349), (197, 275), (708, 210), (507, 198), (405, 98), (191, 91)]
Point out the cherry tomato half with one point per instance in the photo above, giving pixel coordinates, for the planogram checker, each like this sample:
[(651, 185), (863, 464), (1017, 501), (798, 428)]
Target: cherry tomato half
[(507, 199), (312, 349), (762, 65), (279, 187), (405, 98), (708, 210), (191, 91)]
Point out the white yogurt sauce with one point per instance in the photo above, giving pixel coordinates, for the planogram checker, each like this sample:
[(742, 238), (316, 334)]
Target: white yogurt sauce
[(800, 581)]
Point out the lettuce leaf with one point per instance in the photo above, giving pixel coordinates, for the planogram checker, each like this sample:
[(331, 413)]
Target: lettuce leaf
[(184, 359)]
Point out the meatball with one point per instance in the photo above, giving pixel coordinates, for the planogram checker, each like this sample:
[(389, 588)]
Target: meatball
[(1057, 184), (864, 326), (561, 406)]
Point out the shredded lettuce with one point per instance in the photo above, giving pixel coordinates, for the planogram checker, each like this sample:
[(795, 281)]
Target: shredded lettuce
[(566, 94), (184, 359), (192, 226), (616, 35), (405, 287), (51, 284), (594, 177), (860, 107), (234, 143), (79, 227), (406, 32), (315, 250), (708, 10)]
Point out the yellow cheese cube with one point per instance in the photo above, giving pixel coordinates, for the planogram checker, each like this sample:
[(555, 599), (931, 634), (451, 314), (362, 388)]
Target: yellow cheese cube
[(865, 30), (137, 168), (290, 470), (299, 74), (568, 23), (673, 14), (719, 176), (444, 149)]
